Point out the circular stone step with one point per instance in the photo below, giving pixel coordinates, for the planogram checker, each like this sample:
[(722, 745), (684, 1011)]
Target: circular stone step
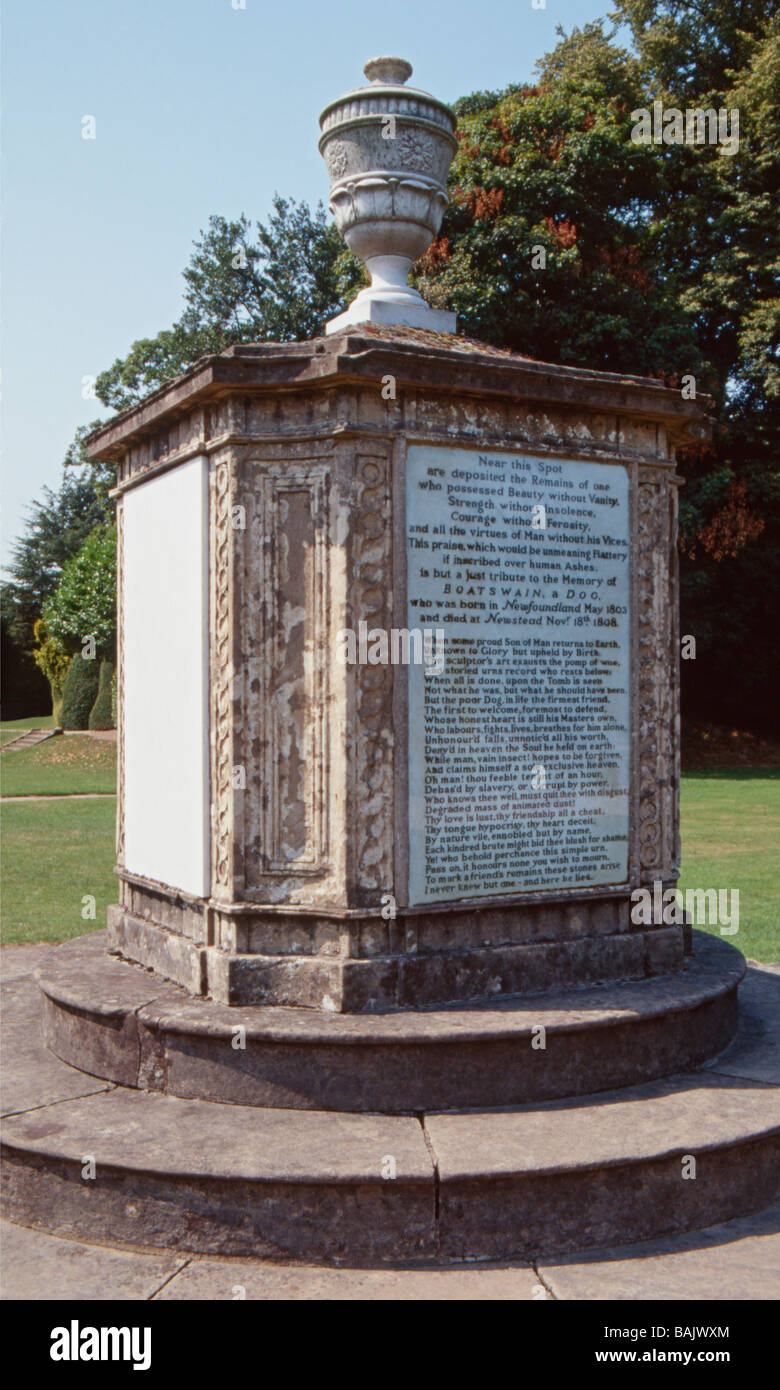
[(115, 1020), (152, 1170)]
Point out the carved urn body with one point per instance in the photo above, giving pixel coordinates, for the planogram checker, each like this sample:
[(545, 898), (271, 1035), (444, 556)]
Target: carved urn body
[(388, 149)]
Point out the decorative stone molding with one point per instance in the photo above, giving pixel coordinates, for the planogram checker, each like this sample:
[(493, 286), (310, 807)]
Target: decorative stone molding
[(373, 604), (222, 681), (491, 396), (657, 691), (282, 619)]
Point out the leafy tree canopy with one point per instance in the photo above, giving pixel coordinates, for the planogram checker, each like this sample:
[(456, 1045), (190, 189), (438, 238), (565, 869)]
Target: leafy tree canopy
[(688, 47), (56, 528), (245, 283), (549, 246), (84, 603)]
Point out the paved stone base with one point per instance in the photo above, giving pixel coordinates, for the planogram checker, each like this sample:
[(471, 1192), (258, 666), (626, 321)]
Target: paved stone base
[(737, 1259), (119, 1022), (89, 1160)]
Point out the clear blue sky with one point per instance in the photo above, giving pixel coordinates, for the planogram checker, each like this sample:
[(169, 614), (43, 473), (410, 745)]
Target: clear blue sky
[(199, 108)]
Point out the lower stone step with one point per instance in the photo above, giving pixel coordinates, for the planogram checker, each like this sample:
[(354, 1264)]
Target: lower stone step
[(153, 1170), (117, 1021), (671, 1156), (198, 1176)]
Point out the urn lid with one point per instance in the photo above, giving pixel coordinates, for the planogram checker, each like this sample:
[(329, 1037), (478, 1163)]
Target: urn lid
[(387, 94)]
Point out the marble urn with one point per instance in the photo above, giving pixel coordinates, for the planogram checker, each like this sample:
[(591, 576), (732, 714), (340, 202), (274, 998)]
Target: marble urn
[(388, 149)]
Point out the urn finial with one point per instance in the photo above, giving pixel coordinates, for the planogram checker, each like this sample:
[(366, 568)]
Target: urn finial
[(388, 149), (392, 71)]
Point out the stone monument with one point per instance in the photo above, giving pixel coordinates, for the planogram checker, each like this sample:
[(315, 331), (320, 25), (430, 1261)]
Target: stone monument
[(398, 686), (374, 834)]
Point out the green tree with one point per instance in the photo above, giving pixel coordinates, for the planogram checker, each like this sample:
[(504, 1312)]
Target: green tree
[(83, 606), (718, 229), (548, 246), (277, 281), (688, 47), (56, 528), (52, 659), (101, 715), (25, 692)]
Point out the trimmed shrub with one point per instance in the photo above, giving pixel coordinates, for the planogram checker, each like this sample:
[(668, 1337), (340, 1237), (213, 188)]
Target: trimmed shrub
[(51, 658), (100, 716), (79, 693), (56, 709)]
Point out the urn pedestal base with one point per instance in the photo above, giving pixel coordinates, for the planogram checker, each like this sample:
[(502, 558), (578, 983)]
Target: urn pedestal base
[(390, 312)]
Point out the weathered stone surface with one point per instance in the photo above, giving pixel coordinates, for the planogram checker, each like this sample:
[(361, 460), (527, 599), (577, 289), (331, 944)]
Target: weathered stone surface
[(400, 1061), (750, 1058), (502, 1174), (101, 1037), (301, 441), (231, 1180), (755, 1051), (511, 1183), (256, 1281), (178, 914), (222, 1179), (172, 956), (30, 1076), (760, 1003), (16, 961), (338, 985), (422, 363), (37, 1267), (480, 973), (736, 1260)]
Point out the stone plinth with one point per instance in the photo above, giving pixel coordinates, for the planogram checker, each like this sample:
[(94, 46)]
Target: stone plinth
[(277, 843)]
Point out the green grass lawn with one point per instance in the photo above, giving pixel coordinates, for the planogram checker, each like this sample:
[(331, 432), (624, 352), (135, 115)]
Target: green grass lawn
[(60, 766), (730, 834), (54, 854)]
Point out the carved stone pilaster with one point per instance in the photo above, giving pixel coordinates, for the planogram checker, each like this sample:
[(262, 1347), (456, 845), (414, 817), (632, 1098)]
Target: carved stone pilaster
[(658, 694), (224, 837), (373, 604), (282, 618), (674, 674)]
